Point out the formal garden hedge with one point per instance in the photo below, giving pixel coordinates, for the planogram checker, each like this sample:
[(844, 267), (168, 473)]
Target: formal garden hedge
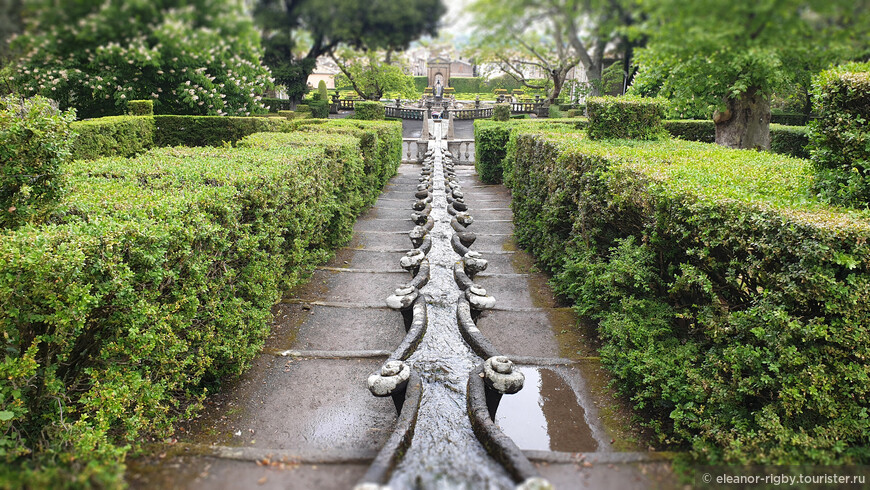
[(785, 140), (369, 110), (122, 136), (491, 139), (153, 278), (731, 301), (35, 141), (129, 135), (625, 117), (841, 135)]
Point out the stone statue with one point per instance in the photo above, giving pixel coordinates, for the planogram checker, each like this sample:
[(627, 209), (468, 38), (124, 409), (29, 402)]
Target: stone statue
[(439, 90)]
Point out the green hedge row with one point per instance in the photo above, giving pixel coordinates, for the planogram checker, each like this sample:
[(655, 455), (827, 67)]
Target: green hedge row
[(785, 140), (35, 142), (122, 136), (420, 83), (369, 110), (841, 134), (466, 85), (156, 278), (491, 139), (275, 105), (625, 117), (129, 135), (211, 130), (732, 304)]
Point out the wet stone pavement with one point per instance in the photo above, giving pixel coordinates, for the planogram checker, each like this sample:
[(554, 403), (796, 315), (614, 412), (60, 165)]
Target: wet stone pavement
[(303, 418)]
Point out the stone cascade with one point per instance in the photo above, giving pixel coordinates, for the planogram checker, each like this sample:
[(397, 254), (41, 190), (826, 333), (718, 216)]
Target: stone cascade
[(445, 378)]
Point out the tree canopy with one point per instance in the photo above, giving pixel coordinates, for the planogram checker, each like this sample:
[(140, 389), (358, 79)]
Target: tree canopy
[(371, 76), (523, 37), (188, 56), (709, 55), (297, 32)]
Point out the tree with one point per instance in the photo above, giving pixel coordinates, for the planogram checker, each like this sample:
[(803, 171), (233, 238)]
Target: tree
[(727, 58), (10, 26), (550, 36), (371, 75), (95, 56), (297, 32)]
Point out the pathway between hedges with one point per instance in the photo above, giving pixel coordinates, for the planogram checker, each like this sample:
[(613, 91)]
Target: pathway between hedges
[(303, 418)]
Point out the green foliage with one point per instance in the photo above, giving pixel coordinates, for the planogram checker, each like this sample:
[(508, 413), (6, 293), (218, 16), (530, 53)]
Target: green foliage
[(703, 130), (790, 140), (321, 89), (319, 109), (554, 111), (420, 83), (296, 33), (466, 85), (626, 117), (501, 112), (140, 107), (841, 135), (704, 52), (372, 77), (156, 277), (211, 130), (730, 301), (36, 140), (122, 136), (369, 110), (499, 84), (785, 140), (275, 105), (96, 57), (129, 135), (491, 142), (788, 119)]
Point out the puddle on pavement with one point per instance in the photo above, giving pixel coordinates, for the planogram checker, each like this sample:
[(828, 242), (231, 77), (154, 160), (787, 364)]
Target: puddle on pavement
[(545, 415)]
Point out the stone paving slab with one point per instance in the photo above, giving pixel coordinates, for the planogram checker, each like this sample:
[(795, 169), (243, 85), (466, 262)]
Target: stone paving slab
[(518, 292), (206, 473), (367, 259), (585, 475), (304, 405), (381, 241), (399, 225), (519, 333), (484, 225), (493, 242), (329, 285), (324, 328), (402, 214)]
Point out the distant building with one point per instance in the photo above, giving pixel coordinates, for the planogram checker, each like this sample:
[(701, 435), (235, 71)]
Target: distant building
[(325, 70)]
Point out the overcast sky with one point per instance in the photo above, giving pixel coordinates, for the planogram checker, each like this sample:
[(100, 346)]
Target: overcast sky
[(454, 21)]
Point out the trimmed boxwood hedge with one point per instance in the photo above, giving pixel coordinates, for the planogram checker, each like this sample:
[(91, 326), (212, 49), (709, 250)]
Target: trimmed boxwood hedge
[(122, 136), (140, 107), (128, 135), (732, 303), (369, 110), (491, 142), (626, 116), (841, 134), (155, 278)]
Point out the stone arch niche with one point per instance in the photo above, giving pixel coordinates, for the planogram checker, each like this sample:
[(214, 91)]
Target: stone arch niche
[(439, 66)]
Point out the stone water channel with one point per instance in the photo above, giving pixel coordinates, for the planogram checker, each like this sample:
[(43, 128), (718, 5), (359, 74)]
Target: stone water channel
[(302, 417)]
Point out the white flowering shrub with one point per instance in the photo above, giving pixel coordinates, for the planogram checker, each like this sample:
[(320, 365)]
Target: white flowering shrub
[(202, 58)]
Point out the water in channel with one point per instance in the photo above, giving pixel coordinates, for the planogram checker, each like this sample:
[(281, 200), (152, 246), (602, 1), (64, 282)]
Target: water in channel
[(444, 452)]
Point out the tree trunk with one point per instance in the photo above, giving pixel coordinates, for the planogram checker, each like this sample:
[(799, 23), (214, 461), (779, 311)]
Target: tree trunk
[(593, 78), (558, 76), (745, 123)]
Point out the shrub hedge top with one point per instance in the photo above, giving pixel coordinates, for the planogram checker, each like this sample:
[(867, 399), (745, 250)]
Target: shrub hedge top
[(715, 173), (627, 116)]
